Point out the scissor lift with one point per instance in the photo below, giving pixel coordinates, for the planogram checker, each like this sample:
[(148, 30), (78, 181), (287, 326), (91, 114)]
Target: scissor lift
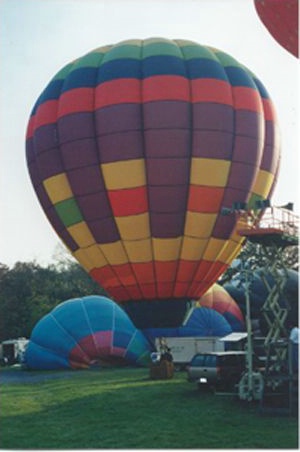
[(275, 230)]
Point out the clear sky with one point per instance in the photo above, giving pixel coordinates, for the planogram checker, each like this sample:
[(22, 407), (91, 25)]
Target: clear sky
[(38, 37)]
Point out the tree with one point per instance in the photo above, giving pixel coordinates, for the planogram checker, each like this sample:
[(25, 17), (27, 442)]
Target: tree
[(16, 290), (252, 252), (29, 291)]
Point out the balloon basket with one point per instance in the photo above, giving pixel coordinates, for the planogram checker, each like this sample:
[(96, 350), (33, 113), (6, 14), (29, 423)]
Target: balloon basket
[(162, 370)]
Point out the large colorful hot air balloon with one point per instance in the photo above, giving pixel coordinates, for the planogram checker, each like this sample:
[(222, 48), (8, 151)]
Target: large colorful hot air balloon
[(82, 331), (134, 148), (281, 18)]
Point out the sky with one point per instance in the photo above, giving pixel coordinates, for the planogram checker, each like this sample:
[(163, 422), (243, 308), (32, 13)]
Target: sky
[(39, 37)]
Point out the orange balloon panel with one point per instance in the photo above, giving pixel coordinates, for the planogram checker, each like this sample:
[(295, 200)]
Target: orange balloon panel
[(134, 148)]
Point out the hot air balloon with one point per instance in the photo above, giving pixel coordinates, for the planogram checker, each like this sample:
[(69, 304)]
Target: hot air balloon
[(281, 18), (199, 322), (82, 331), (218, 298), (258, 292), (133, 150), (207, 320)]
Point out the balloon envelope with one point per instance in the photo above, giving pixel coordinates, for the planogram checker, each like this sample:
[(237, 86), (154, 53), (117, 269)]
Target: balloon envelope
[(218, 298), (82, 331), (281, 18), (134, 148), (200, 322), (258, 292), (209, 321)]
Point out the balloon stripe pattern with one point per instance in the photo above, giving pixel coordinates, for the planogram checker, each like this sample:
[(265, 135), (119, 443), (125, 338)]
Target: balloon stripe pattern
[(218, 299), (134, 148), (81, 331)]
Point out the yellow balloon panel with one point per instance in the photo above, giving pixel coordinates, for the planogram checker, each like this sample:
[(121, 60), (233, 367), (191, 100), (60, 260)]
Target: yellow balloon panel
[(91, 257), (124, 174), (193, 248), (114, 253), (134, 227), (81, 234), (58, 188), (199, 224), (213, 249), (139, 250), (209, 172), (166, 249), (263, 183)]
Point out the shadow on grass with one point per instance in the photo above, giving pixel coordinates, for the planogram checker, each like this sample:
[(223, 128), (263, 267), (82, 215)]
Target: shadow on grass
[(120, 410)]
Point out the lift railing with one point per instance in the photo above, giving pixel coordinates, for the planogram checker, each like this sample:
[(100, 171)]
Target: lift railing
[(273, 219)]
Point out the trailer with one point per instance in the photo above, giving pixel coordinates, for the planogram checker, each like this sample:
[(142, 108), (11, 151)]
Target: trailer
[(184, 348), (235, 341), (12, 350)]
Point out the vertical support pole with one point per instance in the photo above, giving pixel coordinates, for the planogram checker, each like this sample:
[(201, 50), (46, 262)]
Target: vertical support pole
[(249, 360), (246, 384)]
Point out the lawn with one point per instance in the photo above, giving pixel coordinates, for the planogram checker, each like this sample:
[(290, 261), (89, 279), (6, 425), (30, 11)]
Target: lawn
[(123, 408)]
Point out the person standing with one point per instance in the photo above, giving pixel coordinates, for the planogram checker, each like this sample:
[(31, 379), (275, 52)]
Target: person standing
[(294, 338)]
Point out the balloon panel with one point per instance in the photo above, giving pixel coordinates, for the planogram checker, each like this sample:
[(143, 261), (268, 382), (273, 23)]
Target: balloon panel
[(258, 293), (134, 148), (38, 357), (61, 340), (202, 330), (281, 18), (209, 321), (83, 330), (218, 298), (202, 322)]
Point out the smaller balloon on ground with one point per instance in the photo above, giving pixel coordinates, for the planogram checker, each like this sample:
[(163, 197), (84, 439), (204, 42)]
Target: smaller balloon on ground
[(82, 332)]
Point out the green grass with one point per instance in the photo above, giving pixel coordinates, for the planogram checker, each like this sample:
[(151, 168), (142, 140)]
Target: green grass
[(123, 408)]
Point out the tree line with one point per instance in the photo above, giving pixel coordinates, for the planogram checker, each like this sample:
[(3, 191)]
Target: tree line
[(29, 291)]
